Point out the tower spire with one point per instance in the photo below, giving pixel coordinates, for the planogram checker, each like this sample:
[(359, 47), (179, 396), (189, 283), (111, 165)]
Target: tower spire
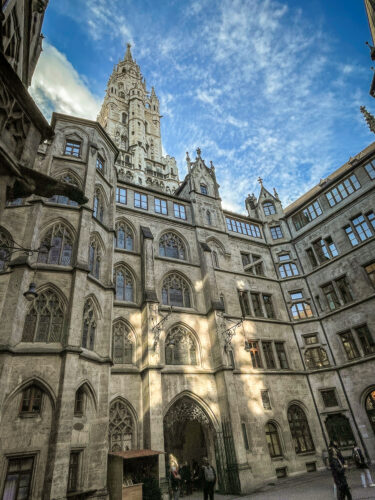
[(128, 55)]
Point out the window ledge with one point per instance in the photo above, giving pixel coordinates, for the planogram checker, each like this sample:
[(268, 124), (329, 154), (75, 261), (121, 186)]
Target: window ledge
[(306, 453), (124, 250), (52, 267), (278, 459), (29, 415), (61, 205), (124, 303)]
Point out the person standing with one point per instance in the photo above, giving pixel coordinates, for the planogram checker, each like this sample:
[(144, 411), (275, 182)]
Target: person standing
[(208, 479), (362, 465), (174, 476), (337, 465)]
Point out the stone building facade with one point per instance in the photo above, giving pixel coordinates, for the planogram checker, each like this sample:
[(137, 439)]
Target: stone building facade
[(164, 322)]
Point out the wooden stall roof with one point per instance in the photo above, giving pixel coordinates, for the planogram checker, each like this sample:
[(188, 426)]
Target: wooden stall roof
[(128, 454)]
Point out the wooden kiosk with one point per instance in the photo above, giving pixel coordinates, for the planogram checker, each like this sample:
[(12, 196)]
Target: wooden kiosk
[(127, 470)]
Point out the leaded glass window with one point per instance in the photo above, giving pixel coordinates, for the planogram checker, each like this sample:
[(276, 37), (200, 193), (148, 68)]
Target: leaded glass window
[(273, 441), (31, 401), (121, 427), (300, 430), (175, 291), (94, 256), (44, 321), (124, 236), (124, 284), (89, 325), (180, 347), (170, 245), (122, 345), (269, 208), (316, 357), (56, 246)]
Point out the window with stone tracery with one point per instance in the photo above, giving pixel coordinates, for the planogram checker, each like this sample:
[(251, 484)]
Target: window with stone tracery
[(89, 325), (180, 347), (122, 344), (5, 243), (56, 246), (170, 245), (300, 430), (98, 211), (94, 256), (61, 199), (124, 236), (175, 291), (44, 321), (121, 427), (124, 284)]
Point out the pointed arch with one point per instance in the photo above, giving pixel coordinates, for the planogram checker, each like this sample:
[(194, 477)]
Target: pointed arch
[(272, 432), (56, 244), (176, 290), (34, 380), (173, 245), (300, 429), (123, 426), (268, 207), (87, 386), (6, 242), (124, 280), (44, 321), (181, 346), (123, 342), (97, 305), (215, 242), (125, 234)]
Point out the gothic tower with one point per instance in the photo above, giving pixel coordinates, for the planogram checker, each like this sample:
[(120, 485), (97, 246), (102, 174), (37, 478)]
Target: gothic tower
[(130, 115)]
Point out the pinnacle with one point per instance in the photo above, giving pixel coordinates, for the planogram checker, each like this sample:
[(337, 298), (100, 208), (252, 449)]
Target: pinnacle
[(128, 54), (370, 119)]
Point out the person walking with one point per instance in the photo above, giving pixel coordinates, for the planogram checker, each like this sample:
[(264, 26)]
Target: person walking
[(362, 465), (174, 477), (208, 479), (337, 465)]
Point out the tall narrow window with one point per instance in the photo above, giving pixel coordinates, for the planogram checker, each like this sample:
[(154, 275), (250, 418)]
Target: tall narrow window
[(18, 479), (160, 206), (281, 355), (170, 245), (257, 307), (370, 270), (124, 236), (140, 201), (89, 325), (180, 347), (349, 345), (370, 169), (122, 429), (100, 163), (300, 430), (94, 257), (267, 301), (366, 340), (268, 354), (179, 211), (273, 441), (266, 399), (56, 246), (79, 402), (253, 347), (331, 296), (121, 195), (98, 211), (124, 285), (31, 402), (175, 291), (122, 344), (244, 435), (344, 290), (312, 257), (44, 321), (244, 303), (73, 474), (208, 218)]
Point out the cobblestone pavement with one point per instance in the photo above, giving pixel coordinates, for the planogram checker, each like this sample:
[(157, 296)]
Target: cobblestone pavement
[(313, 486)]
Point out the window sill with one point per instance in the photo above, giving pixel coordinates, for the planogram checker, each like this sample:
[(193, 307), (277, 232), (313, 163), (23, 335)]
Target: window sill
[(124, 250), (306, 453), (61, 205), (29, 415), (278, 459), (124, 303), (52, 267)]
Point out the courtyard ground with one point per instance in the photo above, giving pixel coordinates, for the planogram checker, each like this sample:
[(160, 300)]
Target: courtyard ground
[(313, 486)]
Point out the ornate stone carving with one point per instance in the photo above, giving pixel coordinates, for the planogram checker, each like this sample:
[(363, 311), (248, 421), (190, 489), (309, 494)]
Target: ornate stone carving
[(185, 410)]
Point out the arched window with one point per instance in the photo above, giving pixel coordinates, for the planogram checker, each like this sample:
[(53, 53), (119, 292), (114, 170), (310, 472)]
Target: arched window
[(316, 357), (89, 325), (122, 345), (370, 408), (31, 401), (288, 269), (64, 200), (79, 402), (300, 430), (5, 244), (124, 284), (124, 236), (269, 208), (121, 427), (170, 245), (209, 218), (56, 246), (44, 321), (94, 256), (215, 259), (98, 205), (175, 291), (180, 347), (339, 429), (273, 441)]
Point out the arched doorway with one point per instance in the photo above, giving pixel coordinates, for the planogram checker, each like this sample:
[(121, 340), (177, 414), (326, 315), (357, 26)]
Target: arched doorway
[(370, 408)]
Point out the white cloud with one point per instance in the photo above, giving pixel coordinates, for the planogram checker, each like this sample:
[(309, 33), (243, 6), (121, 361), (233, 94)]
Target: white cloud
[(56, 86)]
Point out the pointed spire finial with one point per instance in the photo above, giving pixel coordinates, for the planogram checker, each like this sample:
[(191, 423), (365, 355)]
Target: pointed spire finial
[(370, 119), (275, 193), (199, 152), (187, 158), (128, 54), (212, 166), (260, 180), (153, 92)]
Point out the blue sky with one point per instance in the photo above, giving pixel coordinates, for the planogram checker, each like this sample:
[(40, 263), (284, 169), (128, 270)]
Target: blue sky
[(266, 88)]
